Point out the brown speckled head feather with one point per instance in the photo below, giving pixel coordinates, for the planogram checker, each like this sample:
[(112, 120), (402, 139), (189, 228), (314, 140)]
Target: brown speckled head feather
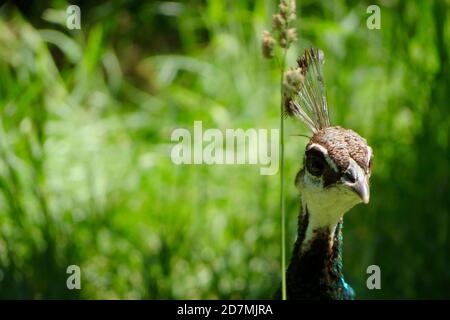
[(342, 144)]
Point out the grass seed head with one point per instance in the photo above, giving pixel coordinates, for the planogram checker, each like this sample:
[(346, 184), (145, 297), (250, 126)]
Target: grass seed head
[(268, 45)]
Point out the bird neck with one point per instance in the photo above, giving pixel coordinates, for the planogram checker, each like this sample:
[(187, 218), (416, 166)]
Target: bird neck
[(315, 270)]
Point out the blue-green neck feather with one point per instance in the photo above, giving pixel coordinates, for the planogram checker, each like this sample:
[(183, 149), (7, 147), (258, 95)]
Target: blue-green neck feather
[(316, 272)]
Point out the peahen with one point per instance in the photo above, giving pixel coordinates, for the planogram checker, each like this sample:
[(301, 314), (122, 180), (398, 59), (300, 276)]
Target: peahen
[(335, 177)]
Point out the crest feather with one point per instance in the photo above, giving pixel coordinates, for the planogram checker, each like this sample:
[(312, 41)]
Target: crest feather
[(310, 102)]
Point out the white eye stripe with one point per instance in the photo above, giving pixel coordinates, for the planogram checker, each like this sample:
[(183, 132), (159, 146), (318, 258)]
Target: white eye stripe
[(369, 155), (324, 151)]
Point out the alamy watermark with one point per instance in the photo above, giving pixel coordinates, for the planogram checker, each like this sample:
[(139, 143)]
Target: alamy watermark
[(73, 20), (234, 146), (374, 20), (74, 280), (374, 280)]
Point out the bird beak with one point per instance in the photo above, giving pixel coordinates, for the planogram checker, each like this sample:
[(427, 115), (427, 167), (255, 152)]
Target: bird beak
[(361, 188), (357, 181)]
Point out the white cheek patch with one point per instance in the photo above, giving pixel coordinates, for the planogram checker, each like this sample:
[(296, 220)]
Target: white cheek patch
[(325, 154)]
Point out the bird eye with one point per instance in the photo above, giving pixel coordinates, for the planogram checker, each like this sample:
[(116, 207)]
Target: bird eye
[(349, 176), (370, 163), (315, 164)]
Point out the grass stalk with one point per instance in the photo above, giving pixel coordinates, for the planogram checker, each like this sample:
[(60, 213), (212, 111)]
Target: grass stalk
[(281, 168)]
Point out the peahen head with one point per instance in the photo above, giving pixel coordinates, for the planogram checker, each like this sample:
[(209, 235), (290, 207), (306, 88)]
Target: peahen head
[(336, 173), (337, 161)]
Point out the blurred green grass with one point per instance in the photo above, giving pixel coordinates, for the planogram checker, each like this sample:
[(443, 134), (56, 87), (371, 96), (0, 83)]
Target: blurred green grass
[(85, 170)]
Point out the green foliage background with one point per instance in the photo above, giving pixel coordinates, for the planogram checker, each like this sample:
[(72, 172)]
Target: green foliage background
[(85, 124)]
